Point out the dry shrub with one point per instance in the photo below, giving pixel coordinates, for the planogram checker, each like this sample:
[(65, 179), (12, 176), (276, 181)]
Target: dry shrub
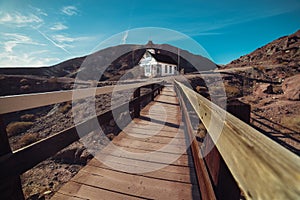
[(28, 117), (28, 138), (292, 122), (232, 91), (16, 128), (277, 89), (65, 107)]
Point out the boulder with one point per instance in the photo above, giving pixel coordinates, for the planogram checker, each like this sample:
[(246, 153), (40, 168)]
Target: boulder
[(291, 88), (262, 89)]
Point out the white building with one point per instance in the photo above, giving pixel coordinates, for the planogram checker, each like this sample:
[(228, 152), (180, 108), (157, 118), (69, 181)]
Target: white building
[(156, 65)]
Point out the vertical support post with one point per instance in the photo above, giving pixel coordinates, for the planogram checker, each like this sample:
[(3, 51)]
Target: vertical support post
[(10, 188), (153, 92), (137, 105)]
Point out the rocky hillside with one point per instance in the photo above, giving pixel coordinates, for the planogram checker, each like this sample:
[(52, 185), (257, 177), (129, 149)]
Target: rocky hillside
[(282, 51), (112, 64)]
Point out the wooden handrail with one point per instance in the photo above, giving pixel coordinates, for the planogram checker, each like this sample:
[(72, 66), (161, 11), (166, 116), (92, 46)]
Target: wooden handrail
[(262, 168), (21, 160), (27, 101)]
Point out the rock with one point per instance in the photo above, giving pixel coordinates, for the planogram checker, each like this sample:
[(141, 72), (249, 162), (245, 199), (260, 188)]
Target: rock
[(291, 88), (72, 155), (110, 136), (262, 89)]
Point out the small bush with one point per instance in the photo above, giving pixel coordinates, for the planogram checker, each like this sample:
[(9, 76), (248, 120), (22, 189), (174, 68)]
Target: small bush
[(28, 139), (27, 117), (16, 128), (292, 122), (65, 107), (232, 91)]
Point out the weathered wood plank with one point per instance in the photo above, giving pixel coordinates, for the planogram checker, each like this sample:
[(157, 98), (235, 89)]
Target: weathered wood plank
[(136, 185), (76, 190), (180, 170), (262, 168), (157, 174)]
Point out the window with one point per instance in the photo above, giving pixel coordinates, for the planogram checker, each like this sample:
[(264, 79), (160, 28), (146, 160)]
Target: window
[(147, 68), (166, 69), (170, 69)]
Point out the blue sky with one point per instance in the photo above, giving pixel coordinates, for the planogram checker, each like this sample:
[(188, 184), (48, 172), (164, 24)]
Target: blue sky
[(41, 33)]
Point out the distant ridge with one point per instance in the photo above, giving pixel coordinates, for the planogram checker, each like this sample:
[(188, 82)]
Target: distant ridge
[(114, 70)]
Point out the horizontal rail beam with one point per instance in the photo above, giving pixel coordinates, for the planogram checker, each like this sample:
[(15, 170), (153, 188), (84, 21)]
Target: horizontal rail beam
[(28, 101), (262, 168)]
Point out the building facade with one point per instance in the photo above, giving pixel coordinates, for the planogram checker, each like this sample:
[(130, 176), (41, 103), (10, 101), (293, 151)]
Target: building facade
[(157, 65)]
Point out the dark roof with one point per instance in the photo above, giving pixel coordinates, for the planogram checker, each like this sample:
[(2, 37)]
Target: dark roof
[(163, 58)]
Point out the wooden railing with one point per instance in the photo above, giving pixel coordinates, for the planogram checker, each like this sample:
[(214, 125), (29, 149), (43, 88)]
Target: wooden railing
[(257, 166), (14, 163)]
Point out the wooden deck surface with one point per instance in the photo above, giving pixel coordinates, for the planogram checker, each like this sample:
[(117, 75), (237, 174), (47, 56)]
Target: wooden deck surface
[(157, 165)]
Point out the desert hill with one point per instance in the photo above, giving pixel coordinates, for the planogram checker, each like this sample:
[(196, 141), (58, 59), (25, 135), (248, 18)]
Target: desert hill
[(282, 51), (112, 65)]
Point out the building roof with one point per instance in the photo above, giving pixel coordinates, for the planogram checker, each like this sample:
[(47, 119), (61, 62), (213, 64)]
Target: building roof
[(163, 58)]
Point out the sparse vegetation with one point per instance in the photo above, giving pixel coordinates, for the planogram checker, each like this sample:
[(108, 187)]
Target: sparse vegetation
[(28, 138), (65, 107), (291, 122), (16, 128), (232, 91), (27, 117)]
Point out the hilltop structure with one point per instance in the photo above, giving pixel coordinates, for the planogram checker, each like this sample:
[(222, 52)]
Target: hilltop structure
[(156, 65)]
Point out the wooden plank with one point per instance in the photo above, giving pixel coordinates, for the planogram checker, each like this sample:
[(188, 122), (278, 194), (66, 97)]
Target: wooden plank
[(175, 149), (180, 170), (137, 185), (157, 174), (60, 196), (76, 190), (131, 135), (262, 168), (152, 157), (35, 100)]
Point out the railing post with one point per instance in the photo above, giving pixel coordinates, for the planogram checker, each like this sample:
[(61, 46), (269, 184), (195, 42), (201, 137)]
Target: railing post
[(137, 105), (10, 188), (152, 89)]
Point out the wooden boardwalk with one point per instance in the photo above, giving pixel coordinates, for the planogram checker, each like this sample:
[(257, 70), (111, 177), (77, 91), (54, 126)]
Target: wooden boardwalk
[(157, 163)]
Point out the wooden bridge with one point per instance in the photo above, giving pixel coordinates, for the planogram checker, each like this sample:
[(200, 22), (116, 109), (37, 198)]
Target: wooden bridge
[(164, 158)]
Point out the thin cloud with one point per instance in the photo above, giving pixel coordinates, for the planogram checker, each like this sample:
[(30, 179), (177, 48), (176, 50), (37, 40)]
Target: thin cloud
[(18, 19), (63, 39), (124, 39), (38, 11), (70, 10), (14, 39), (58, 27), (21, 59), (53, 42)]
